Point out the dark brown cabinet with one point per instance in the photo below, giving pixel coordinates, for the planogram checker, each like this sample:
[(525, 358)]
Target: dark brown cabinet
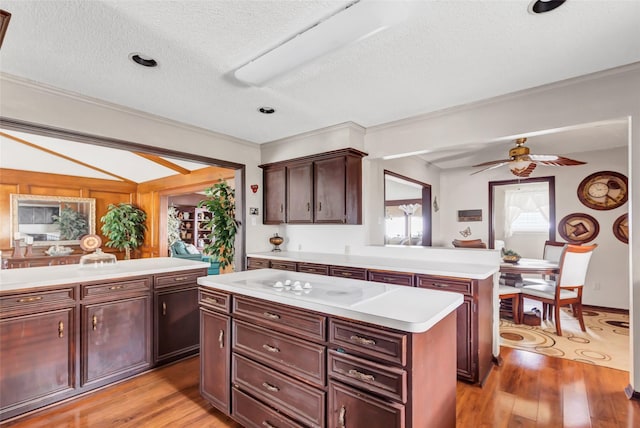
[(38, 363), (322, 188), (396, 278), (215, 351), (176, 320), (350, 407), (274, 195)]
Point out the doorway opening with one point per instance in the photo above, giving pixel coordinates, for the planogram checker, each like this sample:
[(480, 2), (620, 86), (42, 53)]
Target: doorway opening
[(407, 210)]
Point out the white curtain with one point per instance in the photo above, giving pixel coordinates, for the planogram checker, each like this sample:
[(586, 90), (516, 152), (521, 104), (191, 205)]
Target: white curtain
[(523, 201)]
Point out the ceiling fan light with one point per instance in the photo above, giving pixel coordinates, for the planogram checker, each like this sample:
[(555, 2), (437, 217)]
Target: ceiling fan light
[(519, 166)]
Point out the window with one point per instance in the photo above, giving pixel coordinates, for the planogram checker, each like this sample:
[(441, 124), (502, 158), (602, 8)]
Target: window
[(530, 222), (526, 211)]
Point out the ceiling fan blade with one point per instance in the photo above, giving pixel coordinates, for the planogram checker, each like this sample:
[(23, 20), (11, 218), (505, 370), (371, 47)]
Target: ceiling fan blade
[(555, 160), (524, 172), (493, 162), (494, 166)]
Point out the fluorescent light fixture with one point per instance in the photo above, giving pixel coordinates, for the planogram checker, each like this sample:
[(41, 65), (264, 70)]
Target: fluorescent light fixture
[(350, 25)]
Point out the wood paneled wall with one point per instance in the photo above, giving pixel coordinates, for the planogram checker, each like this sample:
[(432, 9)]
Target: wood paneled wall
[(146, 195)]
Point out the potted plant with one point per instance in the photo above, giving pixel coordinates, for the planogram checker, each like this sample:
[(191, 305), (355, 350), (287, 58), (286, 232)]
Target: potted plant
[(173, 225), (223, 224), (124, 226), (72, 224)]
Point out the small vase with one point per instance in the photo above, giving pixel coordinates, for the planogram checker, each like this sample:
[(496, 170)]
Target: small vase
[(276, 241)]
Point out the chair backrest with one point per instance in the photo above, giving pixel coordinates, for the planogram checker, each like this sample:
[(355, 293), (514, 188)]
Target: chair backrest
[(574, 263), (553, 251), (470, 243)]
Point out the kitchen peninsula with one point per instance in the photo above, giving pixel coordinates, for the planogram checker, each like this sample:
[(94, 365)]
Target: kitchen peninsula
[(287, 348), (468, 272), (68, 329)]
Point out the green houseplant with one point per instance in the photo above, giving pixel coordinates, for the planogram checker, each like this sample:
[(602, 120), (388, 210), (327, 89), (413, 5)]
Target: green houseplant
[(73, 224), (223, 224), (173, 225), (124, 225)]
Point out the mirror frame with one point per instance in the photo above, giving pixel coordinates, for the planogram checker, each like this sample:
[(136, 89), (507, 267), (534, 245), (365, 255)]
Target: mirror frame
[(17, 197)]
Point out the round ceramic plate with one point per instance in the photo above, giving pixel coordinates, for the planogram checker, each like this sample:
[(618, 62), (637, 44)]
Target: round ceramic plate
[(578, 228), (90, 242), (621, 228)]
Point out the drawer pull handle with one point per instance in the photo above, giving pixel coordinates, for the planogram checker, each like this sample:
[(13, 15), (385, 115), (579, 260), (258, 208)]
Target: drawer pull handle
[(361, 376), (319, 206), (221, 339), (60, 329), (270, 387), (164, 308), (271, 316), (268, 425), (270, 348), (210, 300), (281, 210), (94, 322), (29, 299), (440, 285), (180, 278), (308, 206), (341, 416), (363, 340), (346, 274), (116, 287)]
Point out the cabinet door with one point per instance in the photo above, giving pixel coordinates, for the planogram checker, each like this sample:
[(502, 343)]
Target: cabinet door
[(466, 341), (300, 193), (274, 195), (117, 339), (349, 407), (38, 360), (215, 359), (176, 323), (330, 190)]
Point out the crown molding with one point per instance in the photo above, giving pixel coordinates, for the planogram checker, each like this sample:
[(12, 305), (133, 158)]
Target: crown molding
[(333, 128)]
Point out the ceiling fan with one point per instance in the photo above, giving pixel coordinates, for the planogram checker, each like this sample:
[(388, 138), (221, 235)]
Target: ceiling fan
[(521, 163)]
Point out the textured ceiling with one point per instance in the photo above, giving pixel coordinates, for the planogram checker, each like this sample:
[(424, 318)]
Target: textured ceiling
[(447, 53)]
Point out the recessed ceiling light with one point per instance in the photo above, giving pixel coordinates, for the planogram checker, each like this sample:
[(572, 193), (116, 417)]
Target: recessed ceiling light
[(267, 110), (143, 60), (543, 6)]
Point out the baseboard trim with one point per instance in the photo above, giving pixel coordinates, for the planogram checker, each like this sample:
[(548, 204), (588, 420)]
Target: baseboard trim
[(605, 309), (631, 393)]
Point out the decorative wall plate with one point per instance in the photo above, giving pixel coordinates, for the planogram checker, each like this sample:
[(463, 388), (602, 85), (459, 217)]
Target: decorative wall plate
[(90, 242), (604, 190), (578, 228), (621, 228)]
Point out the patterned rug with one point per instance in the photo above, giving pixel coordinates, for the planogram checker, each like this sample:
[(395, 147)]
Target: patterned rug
[(605, 343)]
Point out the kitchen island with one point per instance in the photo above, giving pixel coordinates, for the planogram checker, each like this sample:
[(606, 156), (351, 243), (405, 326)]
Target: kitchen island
[(66, 330), (291, 348)]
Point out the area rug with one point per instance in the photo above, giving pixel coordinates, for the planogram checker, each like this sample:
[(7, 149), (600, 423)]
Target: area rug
[(605, 343)]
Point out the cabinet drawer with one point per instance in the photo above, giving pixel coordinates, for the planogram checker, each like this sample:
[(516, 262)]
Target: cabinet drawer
[(313, 268), (370, 341), (115, 289), (349, 407), (32, 302), (444, 283), (281, 318), (253, 414), (390, 382), (302, 359), (254, 263), (294, 398), (348, 272), (188, 277), (214, 300), (283, 265), (397, 278)]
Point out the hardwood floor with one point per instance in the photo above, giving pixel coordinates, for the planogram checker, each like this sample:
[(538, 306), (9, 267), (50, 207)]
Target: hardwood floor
[(528, 390)]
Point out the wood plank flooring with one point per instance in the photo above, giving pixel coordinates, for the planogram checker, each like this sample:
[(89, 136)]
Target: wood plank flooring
[(528, 390)]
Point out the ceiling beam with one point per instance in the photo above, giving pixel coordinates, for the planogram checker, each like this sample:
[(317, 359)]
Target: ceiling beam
[(164, 162), (60, 155)]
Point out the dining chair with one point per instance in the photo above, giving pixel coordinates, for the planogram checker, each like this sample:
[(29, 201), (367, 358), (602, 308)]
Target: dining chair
[(508, 292), (567, 288), (469, 243)]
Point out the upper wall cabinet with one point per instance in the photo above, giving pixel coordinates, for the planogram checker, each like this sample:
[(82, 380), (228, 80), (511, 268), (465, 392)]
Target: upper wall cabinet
[(322, 188)]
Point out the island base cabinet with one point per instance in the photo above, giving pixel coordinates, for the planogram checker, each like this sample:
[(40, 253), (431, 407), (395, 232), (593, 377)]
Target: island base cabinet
[(176, 333), (215, 359), (116, 339), (253, 414), (37, 365), (349, 407)]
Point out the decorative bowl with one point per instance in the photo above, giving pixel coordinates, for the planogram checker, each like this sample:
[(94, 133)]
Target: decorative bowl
[(511, 259), (276, 241), (55, 250)]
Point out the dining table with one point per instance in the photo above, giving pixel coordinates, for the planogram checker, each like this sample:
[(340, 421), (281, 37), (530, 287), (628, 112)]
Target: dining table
[(511, 275)]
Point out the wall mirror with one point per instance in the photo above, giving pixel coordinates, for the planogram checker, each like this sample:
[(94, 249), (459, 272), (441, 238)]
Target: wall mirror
[(52, 220)]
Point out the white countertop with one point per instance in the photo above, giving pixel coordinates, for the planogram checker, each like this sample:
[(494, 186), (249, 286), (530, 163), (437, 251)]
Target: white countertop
[(402, 308), (17, 279), (453, 268)]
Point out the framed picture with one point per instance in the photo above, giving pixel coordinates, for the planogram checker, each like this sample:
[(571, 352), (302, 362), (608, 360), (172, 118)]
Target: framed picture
[(469, 215)]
